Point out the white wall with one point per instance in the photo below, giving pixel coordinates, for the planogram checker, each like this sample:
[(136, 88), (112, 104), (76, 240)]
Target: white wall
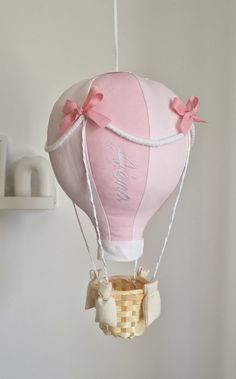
[(189, 45)]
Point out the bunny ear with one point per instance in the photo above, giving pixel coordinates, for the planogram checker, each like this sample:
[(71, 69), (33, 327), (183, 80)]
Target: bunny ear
[(92, 274), (142, 273)]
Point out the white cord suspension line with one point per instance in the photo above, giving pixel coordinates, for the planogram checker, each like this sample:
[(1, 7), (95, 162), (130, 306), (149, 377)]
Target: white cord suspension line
[(84, 151), (137, 140), (116, 42), (174, 210), (84, 238)]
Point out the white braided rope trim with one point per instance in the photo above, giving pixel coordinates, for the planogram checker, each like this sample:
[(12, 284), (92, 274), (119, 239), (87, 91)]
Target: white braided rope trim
[(64, 137), (145, 141), (173, 211), (84, 151), (121, 133)]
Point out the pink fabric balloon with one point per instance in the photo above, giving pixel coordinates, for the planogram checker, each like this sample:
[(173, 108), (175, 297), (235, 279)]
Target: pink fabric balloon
[(130, 182)]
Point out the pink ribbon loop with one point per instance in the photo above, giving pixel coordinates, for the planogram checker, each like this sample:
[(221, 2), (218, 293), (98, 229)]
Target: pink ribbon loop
[(187, 112), (73, 111)]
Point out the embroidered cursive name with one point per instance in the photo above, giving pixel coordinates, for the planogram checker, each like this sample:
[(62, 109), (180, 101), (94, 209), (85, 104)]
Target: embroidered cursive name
[(122, 173)]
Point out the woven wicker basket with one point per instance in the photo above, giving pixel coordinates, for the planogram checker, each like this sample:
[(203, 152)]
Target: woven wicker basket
[(128, 294)]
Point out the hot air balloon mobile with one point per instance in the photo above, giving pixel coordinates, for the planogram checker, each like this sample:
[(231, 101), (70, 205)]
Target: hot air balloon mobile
[(119, 145)]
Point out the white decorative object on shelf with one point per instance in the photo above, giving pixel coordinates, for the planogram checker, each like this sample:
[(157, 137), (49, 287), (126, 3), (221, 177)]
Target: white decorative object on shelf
[(40, 168)]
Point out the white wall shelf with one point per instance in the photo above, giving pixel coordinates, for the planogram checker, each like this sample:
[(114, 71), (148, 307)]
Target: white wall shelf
[(33, 202), (24, 168)]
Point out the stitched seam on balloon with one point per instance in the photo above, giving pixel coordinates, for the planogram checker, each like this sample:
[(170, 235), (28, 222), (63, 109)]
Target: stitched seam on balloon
[(145, 186), (92, 178)]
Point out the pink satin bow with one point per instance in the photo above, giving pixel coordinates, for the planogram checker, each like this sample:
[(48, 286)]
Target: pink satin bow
[(187, 112), (73, 111)]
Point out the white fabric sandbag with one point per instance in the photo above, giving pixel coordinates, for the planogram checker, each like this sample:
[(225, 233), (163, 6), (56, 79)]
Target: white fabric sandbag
[(106, 305), (151, 303)]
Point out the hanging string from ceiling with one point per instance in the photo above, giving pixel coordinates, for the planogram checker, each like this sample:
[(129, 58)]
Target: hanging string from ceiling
[(116, 41)]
